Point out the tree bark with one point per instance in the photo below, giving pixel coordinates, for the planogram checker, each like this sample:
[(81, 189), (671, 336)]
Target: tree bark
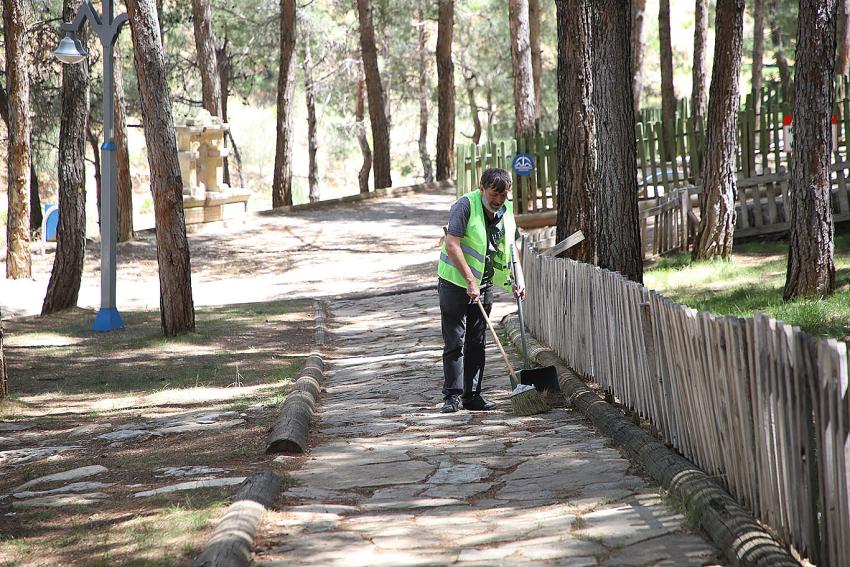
[(842, 35), (16, 19), (811, 266), (576, 128), (638, 42), (758, 54), (312, 139), (778, 50), (66, 276), (375, 92), (175, 273), (470, 80), (717, 202), (425, 158), (122, 156), (698, 102), (95, 150), (207, 63), (225, 74), (159, 12), (282, 183), (445, 92), (360, 128), (536, 53), (668, 93), (618, 245), (4, 375), (523, 75), (36, 216)]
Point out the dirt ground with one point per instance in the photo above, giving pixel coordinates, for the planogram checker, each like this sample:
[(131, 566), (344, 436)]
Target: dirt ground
[(257, 284)]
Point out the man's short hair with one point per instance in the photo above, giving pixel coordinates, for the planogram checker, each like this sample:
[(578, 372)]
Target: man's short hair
[(496, 178)]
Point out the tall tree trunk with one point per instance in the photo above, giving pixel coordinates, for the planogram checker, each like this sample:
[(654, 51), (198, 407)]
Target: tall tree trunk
[(16, 19), (427, 173), (758, 53), (225, 74), (175, 272), (66, 276), (282, 183), (470, 79), (576, 128), (717, 203), (159, 12), (360, 128), (122, 157), (779, 53), (445, 91), (36, 216), (95, 149), (811, 266), (4, 375), (638, 41), (207, 63), (312, 140), (523, 76), (698, 102), (375, 92), (618, 246), (842, 36), (536, 53), (668, 93)]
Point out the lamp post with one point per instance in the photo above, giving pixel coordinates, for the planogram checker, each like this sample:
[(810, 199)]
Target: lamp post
[(71, 51)]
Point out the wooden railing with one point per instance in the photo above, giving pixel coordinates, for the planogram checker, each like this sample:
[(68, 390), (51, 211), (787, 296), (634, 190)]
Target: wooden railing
[(758, 404)]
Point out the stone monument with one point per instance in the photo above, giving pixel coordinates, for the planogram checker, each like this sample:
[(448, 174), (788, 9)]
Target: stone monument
[(201, 153)]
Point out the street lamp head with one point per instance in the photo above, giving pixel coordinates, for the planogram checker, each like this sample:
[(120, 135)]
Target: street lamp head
[(70, 50)]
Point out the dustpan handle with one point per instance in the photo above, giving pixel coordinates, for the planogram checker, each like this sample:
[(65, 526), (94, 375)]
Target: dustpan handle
[(521, 318), (514, 379)]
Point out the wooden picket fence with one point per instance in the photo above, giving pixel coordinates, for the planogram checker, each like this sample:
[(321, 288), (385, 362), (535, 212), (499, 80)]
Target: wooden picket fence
[(758, 404), (668, 220)]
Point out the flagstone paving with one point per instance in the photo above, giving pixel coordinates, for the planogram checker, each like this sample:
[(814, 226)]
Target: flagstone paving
[(390, 480)]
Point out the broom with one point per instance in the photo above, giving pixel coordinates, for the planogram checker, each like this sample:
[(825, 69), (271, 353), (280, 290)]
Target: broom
[(525, 400)]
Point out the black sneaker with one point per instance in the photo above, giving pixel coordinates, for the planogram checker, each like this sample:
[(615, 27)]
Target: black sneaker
[(451, 405), (477, 403)]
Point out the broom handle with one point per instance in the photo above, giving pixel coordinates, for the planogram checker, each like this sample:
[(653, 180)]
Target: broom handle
[(514, 379)]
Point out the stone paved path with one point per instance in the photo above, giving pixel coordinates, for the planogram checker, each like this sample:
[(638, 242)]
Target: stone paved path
[(391, 481)]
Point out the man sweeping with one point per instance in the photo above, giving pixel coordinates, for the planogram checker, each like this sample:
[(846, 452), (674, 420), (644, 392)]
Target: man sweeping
[(476, 254)]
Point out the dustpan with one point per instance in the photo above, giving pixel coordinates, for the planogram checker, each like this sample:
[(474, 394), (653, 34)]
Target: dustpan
[(545, 378)]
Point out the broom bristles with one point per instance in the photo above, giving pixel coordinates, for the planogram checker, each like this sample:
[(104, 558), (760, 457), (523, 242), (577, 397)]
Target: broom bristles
[(528, 402)]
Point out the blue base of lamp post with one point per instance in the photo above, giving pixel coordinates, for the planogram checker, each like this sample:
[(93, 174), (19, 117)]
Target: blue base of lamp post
[(108, 319)]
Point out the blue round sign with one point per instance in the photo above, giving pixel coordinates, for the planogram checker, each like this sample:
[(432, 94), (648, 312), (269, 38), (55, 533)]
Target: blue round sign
[(523, 164)]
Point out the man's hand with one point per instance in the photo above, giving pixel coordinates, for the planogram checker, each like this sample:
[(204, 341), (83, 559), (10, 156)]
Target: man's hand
[(519, 291), (473, 291)]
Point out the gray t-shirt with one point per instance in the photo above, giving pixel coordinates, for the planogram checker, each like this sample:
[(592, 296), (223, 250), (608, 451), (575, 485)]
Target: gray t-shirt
[(458, 219)]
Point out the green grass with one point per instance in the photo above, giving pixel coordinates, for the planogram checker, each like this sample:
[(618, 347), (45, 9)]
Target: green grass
[(753, 280)]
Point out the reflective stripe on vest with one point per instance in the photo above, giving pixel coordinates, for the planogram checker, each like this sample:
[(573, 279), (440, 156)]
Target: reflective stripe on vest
[(474, 247)]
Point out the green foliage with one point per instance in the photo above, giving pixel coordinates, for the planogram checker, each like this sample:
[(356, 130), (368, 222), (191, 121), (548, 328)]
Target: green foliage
[(753, 281)]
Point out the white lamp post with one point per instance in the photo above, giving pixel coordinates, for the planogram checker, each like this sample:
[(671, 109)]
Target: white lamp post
[(71, 51)]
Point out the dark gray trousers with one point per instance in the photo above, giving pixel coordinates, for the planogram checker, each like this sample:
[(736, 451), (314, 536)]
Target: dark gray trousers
[(464, 331)]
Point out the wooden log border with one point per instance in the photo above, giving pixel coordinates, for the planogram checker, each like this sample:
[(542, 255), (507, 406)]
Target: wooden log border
[(289, 434), (232, 541), (733, 530)]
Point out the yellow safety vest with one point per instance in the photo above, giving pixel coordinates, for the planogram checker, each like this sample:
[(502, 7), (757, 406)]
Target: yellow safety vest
[(474, 246)]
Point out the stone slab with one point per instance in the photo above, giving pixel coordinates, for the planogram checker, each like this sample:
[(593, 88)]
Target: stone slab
[(365, 475), (192, 485), (61, 500), (72, 474)]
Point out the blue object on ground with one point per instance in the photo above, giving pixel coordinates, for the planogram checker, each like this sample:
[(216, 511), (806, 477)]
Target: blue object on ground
[(108, 319), (51, 222)]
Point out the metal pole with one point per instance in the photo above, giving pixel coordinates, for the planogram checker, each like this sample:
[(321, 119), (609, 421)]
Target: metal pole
[(108, 319)]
